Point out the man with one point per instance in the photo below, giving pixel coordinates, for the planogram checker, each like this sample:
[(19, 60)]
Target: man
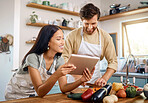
[(93, 41)]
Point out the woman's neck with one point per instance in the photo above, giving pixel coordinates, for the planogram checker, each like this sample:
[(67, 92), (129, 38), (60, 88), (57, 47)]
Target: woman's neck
[(49, 55)]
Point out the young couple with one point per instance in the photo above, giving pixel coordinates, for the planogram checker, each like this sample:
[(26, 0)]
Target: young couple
[(43, 65)]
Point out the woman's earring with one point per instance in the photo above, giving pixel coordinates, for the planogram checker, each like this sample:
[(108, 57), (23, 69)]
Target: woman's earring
[(48, 48)]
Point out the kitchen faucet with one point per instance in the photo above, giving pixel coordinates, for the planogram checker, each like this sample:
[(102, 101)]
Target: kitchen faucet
[(129, 64)]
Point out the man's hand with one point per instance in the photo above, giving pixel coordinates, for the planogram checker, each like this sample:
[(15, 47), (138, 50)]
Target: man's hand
[(101, 82)]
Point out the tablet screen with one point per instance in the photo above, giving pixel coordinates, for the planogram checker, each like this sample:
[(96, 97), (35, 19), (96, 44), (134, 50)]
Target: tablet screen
[(81, 62)]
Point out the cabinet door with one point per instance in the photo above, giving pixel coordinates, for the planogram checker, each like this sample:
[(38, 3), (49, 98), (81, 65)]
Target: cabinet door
[(114, 79), (140, 82), (55, 89)]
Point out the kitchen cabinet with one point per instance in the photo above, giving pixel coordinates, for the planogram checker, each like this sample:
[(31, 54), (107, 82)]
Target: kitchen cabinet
[(55, 89), (140, 82)]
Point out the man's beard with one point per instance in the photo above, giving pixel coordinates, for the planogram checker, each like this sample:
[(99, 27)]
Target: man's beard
[(89, 32)]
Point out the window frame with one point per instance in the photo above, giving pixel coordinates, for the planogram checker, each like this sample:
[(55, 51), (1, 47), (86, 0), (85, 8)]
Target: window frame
[(116, 39), (124, 33)]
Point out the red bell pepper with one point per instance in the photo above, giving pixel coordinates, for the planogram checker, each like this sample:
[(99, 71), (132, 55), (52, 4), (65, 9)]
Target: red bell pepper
[(131, 86), (134, 86), (86, 96), (125, 87)]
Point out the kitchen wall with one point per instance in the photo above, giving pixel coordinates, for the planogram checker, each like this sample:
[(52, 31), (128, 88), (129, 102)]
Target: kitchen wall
[(49, 15), (114, 25), (7, 27), (27, 32)]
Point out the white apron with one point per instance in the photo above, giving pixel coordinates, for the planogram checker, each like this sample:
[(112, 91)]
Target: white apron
[(91, 50), (20, 85)]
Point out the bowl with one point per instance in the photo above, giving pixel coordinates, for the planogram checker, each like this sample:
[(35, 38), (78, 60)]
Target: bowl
[(145, 93)]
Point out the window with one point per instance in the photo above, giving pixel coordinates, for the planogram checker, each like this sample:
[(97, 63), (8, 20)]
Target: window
[(135, 38)]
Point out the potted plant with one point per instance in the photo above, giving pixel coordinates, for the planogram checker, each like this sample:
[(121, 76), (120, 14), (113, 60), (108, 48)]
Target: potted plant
[(33, 17)]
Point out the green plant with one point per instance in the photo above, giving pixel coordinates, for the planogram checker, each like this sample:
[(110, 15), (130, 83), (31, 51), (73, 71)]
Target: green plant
[(33, 17)]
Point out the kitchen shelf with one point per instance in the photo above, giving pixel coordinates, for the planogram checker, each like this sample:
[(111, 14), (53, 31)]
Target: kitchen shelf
[(30, 42), (43, 24), (127, 13), (39, 6)]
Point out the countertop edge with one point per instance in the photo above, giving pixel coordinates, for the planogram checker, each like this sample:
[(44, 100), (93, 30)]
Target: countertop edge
[(137, 75)]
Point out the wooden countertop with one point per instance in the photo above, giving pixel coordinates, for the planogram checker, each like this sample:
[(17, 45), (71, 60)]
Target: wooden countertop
[(62, 98)]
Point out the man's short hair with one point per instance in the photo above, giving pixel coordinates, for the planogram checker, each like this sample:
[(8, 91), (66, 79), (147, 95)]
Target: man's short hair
[(88, 11)]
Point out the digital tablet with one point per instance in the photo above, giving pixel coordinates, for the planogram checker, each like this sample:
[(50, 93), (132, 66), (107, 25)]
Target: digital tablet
[(81, 62)]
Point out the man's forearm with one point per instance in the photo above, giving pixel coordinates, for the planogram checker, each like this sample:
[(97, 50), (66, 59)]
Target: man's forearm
[(109, 72)]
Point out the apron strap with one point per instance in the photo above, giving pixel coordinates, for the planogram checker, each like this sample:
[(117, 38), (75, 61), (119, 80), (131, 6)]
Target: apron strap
[(98, 33), (41, 61)]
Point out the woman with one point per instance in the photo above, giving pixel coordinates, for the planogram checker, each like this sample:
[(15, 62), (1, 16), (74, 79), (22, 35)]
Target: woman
[(42, 66)]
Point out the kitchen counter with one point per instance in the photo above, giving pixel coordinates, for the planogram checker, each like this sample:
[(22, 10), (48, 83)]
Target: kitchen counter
[(140, 79), (137, 75), (62, 98)]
